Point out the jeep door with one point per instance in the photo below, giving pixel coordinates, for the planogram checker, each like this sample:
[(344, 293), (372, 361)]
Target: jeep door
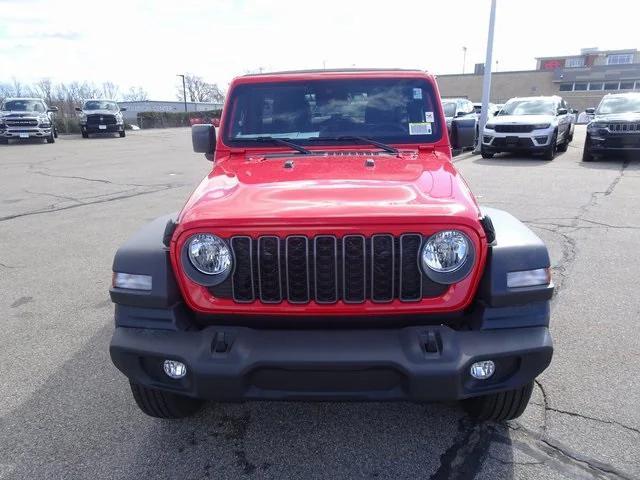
[(464, 125)]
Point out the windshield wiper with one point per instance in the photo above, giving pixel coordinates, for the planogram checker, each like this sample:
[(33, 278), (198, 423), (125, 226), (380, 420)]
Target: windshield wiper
[(280, 141), (383, 146)]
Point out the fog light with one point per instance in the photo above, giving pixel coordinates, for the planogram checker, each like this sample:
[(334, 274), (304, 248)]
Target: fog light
[(131, 281), (529, 278), (483, 370), (175, 369)]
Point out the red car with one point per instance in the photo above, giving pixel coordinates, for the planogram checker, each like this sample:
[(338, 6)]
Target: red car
[(333, 252)]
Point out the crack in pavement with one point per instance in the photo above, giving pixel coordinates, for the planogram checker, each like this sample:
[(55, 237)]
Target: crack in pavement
[(83, 204), (98, 180)]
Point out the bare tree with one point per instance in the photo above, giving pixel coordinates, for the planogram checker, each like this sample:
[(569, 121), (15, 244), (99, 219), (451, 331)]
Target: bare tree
[(198, 90), (44, 88), (110, 90), (136, 94), (6, 91)]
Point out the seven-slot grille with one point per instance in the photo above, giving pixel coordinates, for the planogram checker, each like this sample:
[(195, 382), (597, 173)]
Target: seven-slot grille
[(624, 127), (514, 128), (96, 119), (326, 269)]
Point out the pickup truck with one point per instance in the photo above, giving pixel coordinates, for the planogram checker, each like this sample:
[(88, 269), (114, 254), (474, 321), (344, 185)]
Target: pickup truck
[(23, 118), (333, 252)]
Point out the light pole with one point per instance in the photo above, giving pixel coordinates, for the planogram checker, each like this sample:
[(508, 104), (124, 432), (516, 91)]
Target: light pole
[(464, 59), (184, 92), (486, 83)]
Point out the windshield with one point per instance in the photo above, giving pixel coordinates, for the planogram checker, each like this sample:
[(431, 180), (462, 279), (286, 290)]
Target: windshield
[(100, 105), (536, 106), (24, 106), (387, 110), (449, 109), (624, 104)]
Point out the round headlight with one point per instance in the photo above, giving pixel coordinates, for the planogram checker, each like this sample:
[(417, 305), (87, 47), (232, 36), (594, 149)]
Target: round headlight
[(209, 254), (446, 251)]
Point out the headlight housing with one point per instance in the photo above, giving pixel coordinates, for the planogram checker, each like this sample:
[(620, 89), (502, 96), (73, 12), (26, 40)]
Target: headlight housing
[(209, 254), (490, 126), (447, 256), (541, 126)]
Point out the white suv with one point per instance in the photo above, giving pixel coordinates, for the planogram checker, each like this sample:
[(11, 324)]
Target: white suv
[(530, 124)]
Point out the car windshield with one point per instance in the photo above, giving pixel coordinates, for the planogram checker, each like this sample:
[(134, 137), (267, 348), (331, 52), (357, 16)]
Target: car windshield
[(310, 112), (626, 104), (449, 109), (529, 107), (23, 106), (99, 105)]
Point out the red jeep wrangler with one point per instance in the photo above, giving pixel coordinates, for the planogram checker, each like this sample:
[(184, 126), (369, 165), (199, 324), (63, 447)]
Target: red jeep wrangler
[(334, 253)]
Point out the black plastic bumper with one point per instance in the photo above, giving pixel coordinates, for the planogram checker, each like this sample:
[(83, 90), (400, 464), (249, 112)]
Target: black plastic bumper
[(112, 128), (415, 363)]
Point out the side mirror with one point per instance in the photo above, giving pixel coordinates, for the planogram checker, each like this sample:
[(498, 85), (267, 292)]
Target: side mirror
[(460, 114), (123, 109), (590, 111), (78, 109), (574, 111), (203, 138), (52, 109), (562, 111)]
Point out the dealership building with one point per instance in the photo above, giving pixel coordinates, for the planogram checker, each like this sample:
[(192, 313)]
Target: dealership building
[(581, 79), (135, 107)]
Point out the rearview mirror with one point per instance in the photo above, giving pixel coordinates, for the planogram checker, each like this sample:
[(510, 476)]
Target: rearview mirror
[(590, 111), (52, 109), (203, 138), (562, 111)]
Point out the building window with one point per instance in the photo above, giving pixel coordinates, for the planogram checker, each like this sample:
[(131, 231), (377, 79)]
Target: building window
[(595, 86), (626, 85), (611, 86), (577, 62), (620, 59), (566, 87)]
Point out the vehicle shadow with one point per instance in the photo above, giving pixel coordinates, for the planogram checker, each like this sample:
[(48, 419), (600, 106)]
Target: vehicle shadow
[(615, 161), (517, 160), (83, 423), (25, 141)]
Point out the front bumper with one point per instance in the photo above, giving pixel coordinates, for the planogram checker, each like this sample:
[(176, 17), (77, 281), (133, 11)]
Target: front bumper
[(415, 363), (26, 132), (610, 142), (110, 128), (513, 142)]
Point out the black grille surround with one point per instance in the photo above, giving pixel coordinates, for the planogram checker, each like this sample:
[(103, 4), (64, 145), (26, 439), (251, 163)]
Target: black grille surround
[(326, 269), (506, 128), (98, 119), (624, 128)]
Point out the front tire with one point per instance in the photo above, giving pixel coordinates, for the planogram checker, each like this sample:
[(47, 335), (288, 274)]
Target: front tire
[(587, 155), (485, 153), (4, 141), (499, 407), (51, 138), (85, 135), (122, 134), (160, 404), (550, 152)]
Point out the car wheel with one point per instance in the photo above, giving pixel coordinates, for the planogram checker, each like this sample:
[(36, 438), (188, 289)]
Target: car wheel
[(160, 404), (51, 138), (550, 152), (4, 141), (122, 134), (498, 407), (587, 155), (85, 135), (486, 154), (55, 133)]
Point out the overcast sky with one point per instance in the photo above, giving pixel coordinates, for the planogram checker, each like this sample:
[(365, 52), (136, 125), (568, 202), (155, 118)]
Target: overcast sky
[(147, 42)]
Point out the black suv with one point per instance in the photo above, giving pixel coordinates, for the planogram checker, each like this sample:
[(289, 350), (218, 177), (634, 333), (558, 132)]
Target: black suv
[(615, 127)]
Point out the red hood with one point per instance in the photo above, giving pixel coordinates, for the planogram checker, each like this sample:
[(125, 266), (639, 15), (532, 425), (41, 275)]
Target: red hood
[(319, 189)]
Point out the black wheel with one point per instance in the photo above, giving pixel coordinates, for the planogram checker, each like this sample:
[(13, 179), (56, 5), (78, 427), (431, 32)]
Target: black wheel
[(85, 135), (485, 153), (4, 141), (587, 155), (51, 138), (499, 407), (122, 134), (159, 404), (55, 133), (550, 152)]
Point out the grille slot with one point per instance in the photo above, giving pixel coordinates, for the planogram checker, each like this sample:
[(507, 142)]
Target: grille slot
[(21, 122), (96, 119), (514, 128), (624, 127), (269, 281), (326, 269)]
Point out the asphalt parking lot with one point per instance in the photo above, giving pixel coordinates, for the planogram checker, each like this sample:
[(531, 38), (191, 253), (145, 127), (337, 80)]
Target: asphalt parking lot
[(66, 412)]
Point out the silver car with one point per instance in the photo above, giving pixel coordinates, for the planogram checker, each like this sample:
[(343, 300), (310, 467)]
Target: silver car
[(530, 124), (23, 118)]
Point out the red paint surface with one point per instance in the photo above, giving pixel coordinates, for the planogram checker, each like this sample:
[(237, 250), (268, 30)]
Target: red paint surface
[(247, 194)]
